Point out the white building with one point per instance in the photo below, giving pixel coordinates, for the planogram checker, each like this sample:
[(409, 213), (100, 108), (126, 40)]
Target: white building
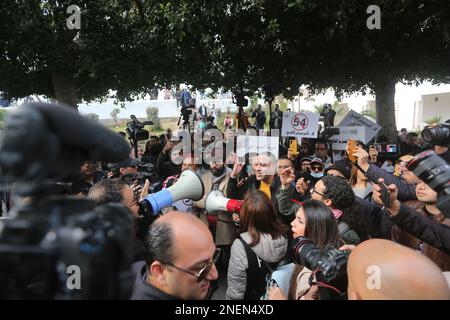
[(413, 105)]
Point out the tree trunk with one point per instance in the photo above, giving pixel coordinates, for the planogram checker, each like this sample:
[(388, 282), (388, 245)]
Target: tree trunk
[(64, 89), (385, 109)]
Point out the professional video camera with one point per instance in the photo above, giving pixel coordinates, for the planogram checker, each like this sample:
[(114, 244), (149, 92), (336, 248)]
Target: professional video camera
[(329, 267), (51, 242), (185, 115), (435, 172), (136, 132), (439, 135)]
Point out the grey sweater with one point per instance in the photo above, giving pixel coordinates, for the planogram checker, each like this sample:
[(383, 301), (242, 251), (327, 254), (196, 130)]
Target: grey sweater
[(267, 249)]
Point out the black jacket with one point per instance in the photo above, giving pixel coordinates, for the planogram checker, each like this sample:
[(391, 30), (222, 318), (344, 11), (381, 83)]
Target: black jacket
[(427, 230), (165, 168), (145, 291), (235, 192), (380, 226), (405, 191)]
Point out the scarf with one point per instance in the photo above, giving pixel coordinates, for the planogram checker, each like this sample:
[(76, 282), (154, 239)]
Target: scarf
[(337, 213)]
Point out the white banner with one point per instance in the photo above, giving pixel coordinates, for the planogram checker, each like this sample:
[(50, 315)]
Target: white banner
[(346, 133), (354, 119), (257, 144), (300, 124)]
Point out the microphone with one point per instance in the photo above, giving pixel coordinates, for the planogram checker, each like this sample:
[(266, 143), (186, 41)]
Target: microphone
[(44, 140)]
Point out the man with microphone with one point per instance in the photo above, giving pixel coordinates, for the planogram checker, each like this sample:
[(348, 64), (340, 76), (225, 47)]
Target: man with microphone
[(221, 225)]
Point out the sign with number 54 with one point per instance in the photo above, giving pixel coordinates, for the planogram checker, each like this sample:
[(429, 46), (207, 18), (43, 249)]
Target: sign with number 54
[(300, 124)]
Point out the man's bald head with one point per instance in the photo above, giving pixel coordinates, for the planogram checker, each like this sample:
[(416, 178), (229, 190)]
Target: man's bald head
[(181, 248), (385, 270), (171, 231)]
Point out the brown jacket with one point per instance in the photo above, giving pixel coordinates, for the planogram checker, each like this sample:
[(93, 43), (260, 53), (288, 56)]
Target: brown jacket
[(225, 229), (440, 258)]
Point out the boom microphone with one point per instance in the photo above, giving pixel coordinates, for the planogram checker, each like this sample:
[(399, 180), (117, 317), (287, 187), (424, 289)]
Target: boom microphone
[(216, 202), (46, 140), (188, 186)]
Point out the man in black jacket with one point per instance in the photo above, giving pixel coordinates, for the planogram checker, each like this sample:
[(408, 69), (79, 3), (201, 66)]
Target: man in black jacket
[(264, 178), (180, 260)]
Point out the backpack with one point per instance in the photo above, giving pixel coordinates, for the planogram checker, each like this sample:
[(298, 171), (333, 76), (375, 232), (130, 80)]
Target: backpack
[(260, 274)]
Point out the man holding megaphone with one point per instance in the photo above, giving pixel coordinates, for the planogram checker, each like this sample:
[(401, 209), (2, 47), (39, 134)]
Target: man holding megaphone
[(220, 222)]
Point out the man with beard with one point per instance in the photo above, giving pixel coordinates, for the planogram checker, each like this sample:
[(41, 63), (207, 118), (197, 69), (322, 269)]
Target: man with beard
[(152, 150), (221, 225)]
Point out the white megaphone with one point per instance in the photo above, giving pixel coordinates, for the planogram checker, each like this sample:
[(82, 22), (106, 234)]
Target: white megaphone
[(216, 202), (188, 186)]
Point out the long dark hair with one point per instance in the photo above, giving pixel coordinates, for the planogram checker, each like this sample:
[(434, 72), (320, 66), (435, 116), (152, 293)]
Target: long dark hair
[(320, 227), (258, 216)]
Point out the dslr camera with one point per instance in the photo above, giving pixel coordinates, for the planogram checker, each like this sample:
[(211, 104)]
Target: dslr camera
[(328, 265)]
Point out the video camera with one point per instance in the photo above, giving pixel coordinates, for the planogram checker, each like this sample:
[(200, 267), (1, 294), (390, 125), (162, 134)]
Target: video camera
[(136, 132), (435, 172), (48, 235), (329, 266), (135, 129)]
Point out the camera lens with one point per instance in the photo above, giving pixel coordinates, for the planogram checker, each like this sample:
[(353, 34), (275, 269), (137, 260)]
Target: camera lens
[(306, 253), (435, 172), (439, 135), (430, 168)]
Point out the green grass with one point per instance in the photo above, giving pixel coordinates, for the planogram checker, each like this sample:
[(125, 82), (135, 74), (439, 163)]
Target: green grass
[(165, 124)]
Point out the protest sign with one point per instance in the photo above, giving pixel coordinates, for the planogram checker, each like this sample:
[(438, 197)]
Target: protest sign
[(300, 124), (354, 119), (339, 142)]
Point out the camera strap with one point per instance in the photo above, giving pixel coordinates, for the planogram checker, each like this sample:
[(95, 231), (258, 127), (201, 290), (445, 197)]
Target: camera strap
[(358, 167)]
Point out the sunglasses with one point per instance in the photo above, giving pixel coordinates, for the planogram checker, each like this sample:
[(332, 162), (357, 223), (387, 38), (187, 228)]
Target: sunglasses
[(320, 149), (204, 271), (316, 168)]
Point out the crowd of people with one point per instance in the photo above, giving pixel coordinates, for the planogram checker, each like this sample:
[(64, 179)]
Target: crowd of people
[(303, 194)]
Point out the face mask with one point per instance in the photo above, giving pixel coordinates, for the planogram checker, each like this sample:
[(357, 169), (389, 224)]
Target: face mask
[(317, 174)]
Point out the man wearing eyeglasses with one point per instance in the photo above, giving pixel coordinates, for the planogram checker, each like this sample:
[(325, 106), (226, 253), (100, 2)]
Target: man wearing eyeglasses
[(180, 261)]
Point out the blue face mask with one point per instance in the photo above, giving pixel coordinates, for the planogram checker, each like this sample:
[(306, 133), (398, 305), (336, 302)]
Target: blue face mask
[(316, 174)]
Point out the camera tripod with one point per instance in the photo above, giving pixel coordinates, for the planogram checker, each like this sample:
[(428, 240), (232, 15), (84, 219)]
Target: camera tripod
[(185, 114)]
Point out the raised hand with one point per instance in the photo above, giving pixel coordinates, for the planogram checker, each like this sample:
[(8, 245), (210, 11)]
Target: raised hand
[(238, 166), (302, 186), (286, 177)]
